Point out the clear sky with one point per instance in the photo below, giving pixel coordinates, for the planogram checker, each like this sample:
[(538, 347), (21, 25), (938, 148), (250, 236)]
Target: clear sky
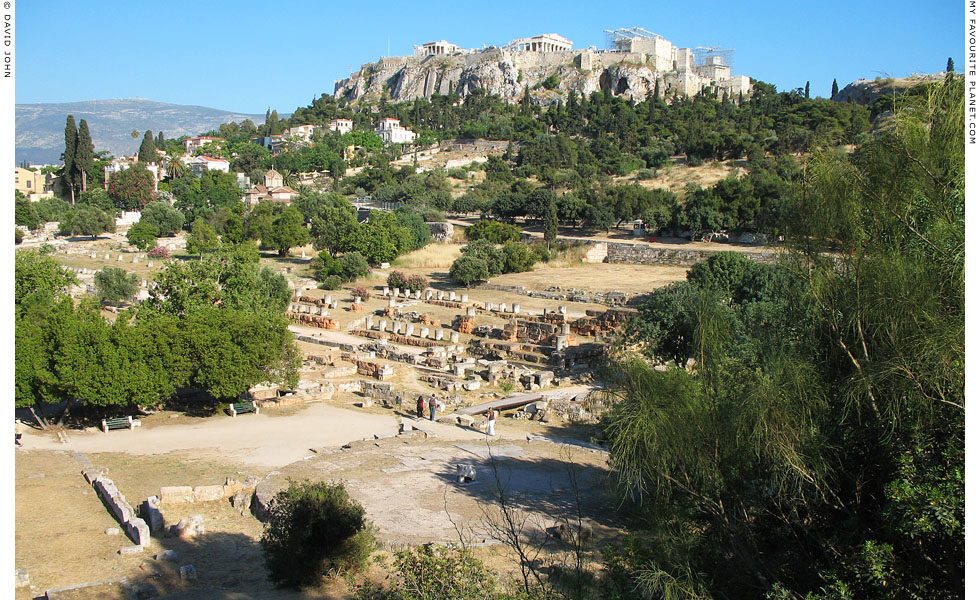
[(247, 56)]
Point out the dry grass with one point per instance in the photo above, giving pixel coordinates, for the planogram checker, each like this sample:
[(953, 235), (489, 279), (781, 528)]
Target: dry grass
[(676, 176), (434, 256)]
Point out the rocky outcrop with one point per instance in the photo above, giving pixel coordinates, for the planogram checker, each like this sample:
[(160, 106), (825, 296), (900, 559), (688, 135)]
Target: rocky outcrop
[(506, 74), (866, 91)]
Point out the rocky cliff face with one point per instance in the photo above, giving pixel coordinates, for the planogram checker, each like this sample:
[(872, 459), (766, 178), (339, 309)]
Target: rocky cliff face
[(502, 73)]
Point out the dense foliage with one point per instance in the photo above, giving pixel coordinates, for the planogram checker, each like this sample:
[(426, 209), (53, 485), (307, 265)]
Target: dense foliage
[(314, 529), (814, 444)]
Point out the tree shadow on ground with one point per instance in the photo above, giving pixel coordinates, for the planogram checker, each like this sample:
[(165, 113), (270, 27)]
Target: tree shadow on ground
[(227, 566), (556, 488)]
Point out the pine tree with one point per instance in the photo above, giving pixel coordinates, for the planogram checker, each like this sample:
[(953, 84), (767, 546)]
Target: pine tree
[(147, 153), (273, 123), (71, 141), (806, 91), (84, 154), (833, 90)]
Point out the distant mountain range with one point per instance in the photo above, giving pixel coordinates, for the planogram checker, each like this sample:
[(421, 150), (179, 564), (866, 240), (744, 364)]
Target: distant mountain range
[(40, 128)]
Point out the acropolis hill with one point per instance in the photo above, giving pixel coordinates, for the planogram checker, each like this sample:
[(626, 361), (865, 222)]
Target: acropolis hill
[(635, 63)]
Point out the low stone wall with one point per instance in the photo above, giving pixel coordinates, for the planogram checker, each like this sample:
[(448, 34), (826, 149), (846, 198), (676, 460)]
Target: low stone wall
[(643, 254), (135, 527), (185, 494)]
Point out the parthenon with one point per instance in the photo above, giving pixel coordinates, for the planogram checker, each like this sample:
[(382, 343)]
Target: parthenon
[(547, 42)]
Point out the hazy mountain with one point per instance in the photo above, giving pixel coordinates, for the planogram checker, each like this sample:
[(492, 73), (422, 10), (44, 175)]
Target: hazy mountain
[(40, 128)]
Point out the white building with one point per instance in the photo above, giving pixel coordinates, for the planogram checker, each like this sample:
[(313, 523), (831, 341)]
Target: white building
[(341, 125), (121, 164), (392, 132), (192, 144), (436, 48), (200, 164), (304, 132)]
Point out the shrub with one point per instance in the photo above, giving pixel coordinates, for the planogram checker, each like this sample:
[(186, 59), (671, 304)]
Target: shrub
[(362, 292), (457, 173), (159, 252), (18, 236), (432, 571), (352, 266), (468, 269), (541, 252), (330, 282), (486, 251), (143, 235), (407, 282), (643, 174), (493, 231), (315, 529), (113, 285), (517, 258)]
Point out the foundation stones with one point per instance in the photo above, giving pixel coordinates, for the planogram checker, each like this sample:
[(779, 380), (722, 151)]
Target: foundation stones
[(424, 332), (452, 296), (409, 329), (465, 298), (454, 336), (440, 334), (428, 294), (387, 291)]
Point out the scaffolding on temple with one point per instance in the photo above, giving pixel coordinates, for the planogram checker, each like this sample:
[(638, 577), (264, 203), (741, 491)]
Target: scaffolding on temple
[(616, 39), (705, 55)]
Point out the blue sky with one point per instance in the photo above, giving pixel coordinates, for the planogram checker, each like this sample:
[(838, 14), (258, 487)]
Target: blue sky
[(247, 56)]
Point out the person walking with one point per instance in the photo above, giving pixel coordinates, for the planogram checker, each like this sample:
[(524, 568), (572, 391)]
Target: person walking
[(491, 422), (420, 407), (433, 404)]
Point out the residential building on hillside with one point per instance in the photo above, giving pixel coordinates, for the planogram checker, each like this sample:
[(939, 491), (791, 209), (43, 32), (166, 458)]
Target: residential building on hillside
[(192, 144), (273, 143), (391, 132), (125, 162), (304, 132), (202, 163), (33, 184), (341, 125)]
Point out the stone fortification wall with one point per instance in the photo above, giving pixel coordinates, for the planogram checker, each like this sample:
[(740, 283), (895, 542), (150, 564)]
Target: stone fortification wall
[(642, 254)]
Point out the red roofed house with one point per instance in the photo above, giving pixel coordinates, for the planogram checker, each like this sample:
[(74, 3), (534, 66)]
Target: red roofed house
[(272, 190)]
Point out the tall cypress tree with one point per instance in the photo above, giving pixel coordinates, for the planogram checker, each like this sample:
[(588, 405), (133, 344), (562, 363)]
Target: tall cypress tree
[(161, 145), (273, 122), (71, 141), (949, 64), (656, 89), (147, 153), (833, 90), (84, 154), (806, 91)]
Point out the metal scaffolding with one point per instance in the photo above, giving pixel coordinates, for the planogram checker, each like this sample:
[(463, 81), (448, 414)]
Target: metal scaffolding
[(630, 33), (703, 53)]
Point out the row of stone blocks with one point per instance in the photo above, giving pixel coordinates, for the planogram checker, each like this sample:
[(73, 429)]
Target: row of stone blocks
[(135, 527), (408, 330)]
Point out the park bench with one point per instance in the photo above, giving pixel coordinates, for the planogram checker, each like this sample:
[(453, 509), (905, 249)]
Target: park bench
[(243, 407), (119, 423)]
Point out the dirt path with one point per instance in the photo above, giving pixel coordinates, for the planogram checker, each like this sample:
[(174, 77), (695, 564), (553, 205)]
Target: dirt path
[(260, 440)]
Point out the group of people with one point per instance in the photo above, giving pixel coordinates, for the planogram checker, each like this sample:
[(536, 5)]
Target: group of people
[(433, 403)]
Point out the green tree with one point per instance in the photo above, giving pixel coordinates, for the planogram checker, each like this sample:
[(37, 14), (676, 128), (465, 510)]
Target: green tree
[(24, 213), (164, 217), (949, 65), (288, 230), (834, 89), (88, 220), (84, 154), (202, 238), (315, 529), (143, 235), (114, 285), (551, 222), (132, 188), (468, 270), (147, 152), (68, 156)]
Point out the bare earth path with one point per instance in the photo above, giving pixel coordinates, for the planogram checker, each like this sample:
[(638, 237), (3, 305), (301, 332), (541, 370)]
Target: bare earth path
[(260, 440)]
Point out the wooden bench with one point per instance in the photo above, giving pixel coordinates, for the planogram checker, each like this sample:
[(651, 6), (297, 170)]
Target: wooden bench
[(119, 423), (243, 407)]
